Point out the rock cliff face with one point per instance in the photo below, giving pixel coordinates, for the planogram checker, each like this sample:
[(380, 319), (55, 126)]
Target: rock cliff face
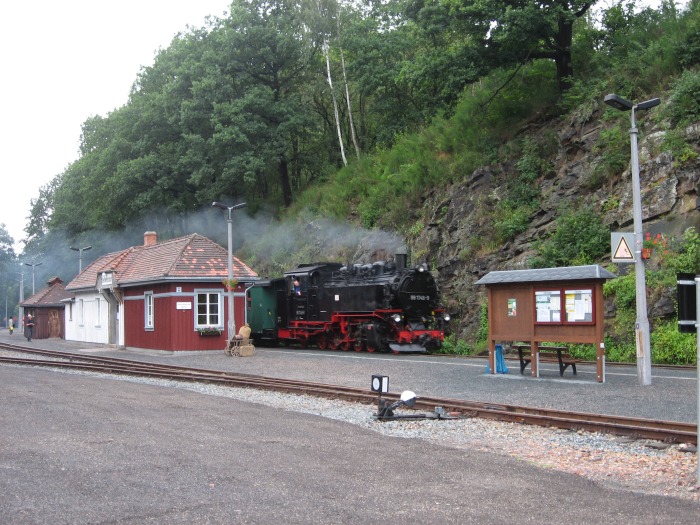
[(459, 238)]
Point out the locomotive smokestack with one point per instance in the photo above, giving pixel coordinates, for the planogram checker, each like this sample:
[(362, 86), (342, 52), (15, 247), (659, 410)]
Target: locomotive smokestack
[(401, 259)]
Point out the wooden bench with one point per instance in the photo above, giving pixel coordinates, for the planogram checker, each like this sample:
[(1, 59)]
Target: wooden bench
[(547, 354), (240, 347)]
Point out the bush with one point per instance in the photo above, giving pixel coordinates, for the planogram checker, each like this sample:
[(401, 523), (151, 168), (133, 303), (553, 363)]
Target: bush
[(669, 346), (620, 352), (684, 102), (583, 352), (623, 288), (580, 238), (454, 346)]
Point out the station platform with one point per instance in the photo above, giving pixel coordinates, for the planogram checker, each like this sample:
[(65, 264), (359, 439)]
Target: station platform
[(672, 396)]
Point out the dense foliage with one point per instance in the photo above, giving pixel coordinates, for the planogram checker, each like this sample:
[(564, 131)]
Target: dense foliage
[(424, 91)]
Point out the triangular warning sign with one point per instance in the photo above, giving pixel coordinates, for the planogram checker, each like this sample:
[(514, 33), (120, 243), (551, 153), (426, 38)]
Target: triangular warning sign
[(623, 251)]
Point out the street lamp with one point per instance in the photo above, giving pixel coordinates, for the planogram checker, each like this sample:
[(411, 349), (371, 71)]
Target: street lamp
[(21, 293), (231, 321), (81, 250), (33, 265), (643, 341)]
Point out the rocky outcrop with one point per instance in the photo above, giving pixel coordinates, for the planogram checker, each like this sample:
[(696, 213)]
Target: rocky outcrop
[(459, 240)]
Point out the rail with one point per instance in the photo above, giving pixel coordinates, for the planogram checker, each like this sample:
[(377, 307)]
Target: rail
[(639, 428)]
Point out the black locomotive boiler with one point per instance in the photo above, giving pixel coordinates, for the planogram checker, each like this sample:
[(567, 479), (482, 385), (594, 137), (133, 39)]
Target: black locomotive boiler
[(383, 306)]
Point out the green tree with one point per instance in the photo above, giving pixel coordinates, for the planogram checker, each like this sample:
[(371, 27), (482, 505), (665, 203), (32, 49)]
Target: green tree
[(513, 32), (7, 251), (8, 285), (273, 52)]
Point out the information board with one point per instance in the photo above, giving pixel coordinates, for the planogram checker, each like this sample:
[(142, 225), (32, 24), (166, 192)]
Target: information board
[(577, 306), (548, 306)]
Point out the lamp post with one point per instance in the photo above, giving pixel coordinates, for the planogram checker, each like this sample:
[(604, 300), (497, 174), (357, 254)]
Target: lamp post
[(643, 341), (33, 265), (21, 295), (80, 250), (231, 325)]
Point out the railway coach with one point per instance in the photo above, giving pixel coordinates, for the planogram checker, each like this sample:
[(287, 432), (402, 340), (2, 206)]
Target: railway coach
[(383, 306)]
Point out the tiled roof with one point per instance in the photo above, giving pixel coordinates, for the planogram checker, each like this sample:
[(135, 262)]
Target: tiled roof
[(184, 258), (570, 273), (51, 295), (88, 277)]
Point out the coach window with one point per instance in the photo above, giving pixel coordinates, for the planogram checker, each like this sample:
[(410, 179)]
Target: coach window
[(208, 310), (148, 310)]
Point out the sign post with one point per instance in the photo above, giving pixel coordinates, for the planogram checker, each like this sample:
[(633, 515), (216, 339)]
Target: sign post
[(688, 287), (697, 342), (621, 244)]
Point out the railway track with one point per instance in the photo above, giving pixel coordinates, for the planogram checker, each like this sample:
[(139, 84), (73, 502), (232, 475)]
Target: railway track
[(667, 431)]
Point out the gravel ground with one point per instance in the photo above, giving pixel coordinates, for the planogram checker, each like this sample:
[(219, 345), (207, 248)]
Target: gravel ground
[(640, 466)]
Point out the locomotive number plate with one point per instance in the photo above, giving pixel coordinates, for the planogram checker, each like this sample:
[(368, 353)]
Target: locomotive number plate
[(416, 297)]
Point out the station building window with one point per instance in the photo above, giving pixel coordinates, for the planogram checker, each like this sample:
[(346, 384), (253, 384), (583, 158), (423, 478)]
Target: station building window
[(208, 310), (148, 310)]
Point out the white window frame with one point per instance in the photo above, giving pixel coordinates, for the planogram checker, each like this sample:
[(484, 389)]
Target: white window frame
[(98, 309), (81, 312), (211, 318), (148, 311)]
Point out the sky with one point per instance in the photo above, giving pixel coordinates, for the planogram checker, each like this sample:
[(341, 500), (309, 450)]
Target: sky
[(63, 62)]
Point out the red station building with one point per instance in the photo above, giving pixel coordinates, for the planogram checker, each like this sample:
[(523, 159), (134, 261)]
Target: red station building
[(168, 295)]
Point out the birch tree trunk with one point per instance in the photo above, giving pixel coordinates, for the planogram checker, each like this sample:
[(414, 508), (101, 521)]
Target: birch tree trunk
[(335, 103), (347, 97)]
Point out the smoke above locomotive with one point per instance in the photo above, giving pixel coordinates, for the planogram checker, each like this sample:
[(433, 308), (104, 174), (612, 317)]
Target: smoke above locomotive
[(382, 306)]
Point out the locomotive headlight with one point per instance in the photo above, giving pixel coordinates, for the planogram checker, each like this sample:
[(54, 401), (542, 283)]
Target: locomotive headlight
[(396, 318), (446, 318)]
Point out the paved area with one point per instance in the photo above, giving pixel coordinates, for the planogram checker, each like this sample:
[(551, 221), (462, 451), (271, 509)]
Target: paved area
[(76, 449), (672, 395)]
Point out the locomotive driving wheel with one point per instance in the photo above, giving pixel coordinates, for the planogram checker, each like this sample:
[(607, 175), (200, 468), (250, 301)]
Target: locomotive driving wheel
[(322, 342), (337, 343)]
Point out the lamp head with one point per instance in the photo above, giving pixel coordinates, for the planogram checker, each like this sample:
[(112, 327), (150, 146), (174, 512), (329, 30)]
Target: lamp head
[(408, 398), (649, 103), (618, 103), (221, 205)]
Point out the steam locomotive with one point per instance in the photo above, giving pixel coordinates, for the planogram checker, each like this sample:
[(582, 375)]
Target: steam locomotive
[(378, 307)]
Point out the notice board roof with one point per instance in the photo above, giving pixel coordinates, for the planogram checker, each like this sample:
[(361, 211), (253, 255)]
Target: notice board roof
[(568, 273)]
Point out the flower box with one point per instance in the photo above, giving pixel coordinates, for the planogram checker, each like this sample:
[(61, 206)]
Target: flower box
[(206, 332)]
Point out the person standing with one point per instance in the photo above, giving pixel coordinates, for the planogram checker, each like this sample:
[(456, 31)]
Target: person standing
[(11, 325), (29, 326)]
